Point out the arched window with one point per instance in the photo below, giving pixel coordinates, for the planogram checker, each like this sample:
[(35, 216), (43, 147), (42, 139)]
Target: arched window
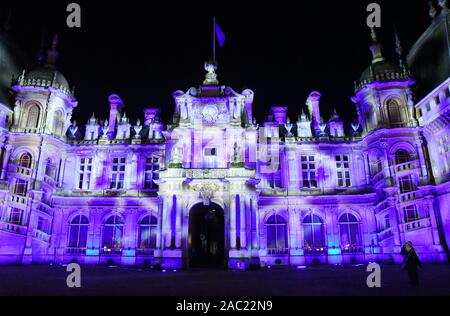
[(394, 112), (148, 228), (112, 232), (402, 156), (33, 116), (78, 232), (349, 229), (411, 213), (314, 232), (276, 232), (25, 161)]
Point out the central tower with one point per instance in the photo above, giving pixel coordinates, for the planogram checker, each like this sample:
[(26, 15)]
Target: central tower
[(210, 148)]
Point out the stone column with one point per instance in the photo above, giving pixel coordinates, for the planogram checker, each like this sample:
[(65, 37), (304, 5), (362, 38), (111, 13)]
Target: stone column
[(178, 221), (433, 220), (62, 171), (5, 162), (167, 218), (233, 221), (243, 221), (366, 167)]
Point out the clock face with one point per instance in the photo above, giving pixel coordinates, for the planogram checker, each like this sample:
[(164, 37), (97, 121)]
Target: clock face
[(210, 114)]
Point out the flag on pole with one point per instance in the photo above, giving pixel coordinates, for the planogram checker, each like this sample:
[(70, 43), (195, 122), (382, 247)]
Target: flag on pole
[(220, 34)]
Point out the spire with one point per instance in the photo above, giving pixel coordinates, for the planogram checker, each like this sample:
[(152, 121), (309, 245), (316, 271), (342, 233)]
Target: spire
[(7, 23), (399, 49), (52, 54), (41, 54), (432, 12), (376, 48)]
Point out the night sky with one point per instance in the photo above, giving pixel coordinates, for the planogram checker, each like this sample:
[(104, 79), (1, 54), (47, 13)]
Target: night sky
[(145, 50)]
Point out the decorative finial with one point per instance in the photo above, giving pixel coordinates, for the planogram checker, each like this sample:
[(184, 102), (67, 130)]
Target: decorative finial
[(375, 47), (7, 23), (399, 49), (373, 34), (52, 54), (432, 12), (211, 76), (443, 5)]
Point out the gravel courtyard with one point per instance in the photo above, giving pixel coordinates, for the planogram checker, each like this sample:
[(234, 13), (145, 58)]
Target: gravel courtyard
[(312, 281)]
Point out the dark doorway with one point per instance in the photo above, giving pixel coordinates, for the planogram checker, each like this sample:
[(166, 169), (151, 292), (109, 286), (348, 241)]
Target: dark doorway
[(207, 236)]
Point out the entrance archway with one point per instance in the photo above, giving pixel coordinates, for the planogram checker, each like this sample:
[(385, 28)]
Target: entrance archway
[(206, 236)]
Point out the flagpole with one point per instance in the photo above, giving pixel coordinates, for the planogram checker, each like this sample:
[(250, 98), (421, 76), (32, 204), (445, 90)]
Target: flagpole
[(214, 41)]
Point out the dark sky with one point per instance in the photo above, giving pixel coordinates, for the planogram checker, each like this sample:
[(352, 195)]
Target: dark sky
[(146, 50)]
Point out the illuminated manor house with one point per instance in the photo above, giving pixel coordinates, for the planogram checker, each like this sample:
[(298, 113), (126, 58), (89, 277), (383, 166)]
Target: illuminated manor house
[(214, 187)]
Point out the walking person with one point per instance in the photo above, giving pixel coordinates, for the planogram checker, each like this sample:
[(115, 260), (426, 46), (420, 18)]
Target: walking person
[(411, 262)]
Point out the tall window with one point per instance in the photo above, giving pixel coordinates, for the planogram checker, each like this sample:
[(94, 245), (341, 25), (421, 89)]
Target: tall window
[(276, 232), (118, 173), (15, 216), (407, 184), (314, 232), (58, 123), (402, 156), (411, 213), (376, 166), (25, 161), (394, 112), (309, 172), (349, 229), (151, 173), (112, 232), (84, 174), (43, 225), (343, 171), (78, 232), (50, 169), (21, 187), (33, 116), (148, 228)]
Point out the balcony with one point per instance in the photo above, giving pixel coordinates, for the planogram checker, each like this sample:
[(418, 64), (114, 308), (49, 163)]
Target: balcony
[(417, 224), (13, 228), (315, 251), (406, 167), (27, 172), (407, 197), (352, 249), (145, 252), (75, 251), (50, 181), (43, 236), (18, 199), (385, 234), (277, 251), (111, 251)]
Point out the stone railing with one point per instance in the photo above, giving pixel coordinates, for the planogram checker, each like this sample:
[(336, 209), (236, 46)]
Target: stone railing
[(277, 251), (385, 234), (41, 235), (352, 249), (407, 197), (50, 181), (111, 251), (417, 224), (407, 166), (315, 251), (76, 251), (145, 252), (22, 171), (18, 199), (14, 228)]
